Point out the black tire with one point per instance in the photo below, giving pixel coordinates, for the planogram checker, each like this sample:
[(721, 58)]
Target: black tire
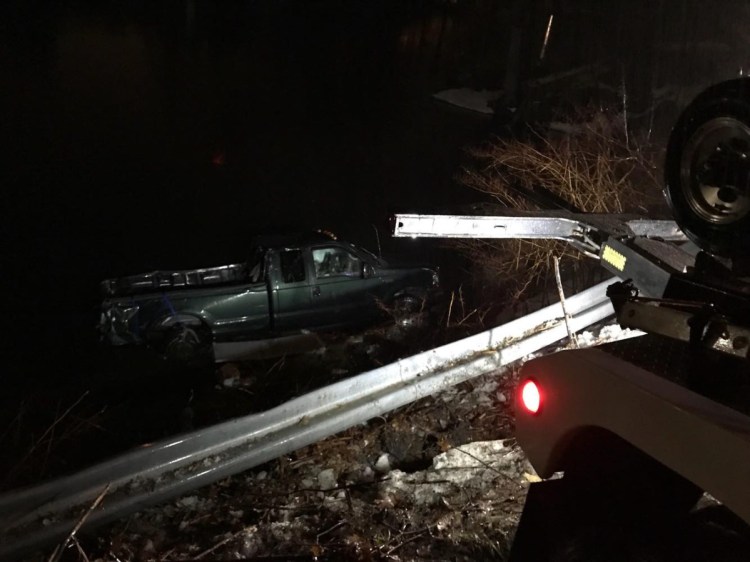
[(405, 309), (707, 169)]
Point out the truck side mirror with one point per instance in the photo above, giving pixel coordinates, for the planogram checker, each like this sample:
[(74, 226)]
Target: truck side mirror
[(367, 270)]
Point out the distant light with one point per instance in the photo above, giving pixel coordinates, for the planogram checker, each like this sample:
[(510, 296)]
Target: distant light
[(531, 397), (413, 236)]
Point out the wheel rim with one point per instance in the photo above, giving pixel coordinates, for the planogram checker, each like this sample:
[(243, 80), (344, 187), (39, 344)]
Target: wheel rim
[(715, 171)]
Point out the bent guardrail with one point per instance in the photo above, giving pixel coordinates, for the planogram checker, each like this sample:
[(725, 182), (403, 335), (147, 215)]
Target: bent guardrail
[(34, 517)]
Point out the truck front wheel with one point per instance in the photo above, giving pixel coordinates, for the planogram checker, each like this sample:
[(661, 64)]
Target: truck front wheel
[(185, 344), (406, 310)]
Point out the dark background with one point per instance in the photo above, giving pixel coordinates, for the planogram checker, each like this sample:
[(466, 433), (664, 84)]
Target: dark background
[(141, 137), (144, 135)]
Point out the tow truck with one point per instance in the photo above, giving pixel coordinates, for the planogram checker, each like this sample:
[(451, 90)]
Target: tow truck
[(629, 437)]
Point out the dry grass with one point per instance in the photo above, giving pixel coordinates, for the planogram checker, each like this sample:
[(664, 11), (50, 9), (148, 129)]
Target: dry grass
[(33, 449), (594, 166)]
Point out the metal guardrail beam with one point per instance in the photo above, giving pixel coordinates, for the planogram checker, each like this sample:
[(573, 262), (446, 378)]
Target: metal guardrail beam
[(462, 226), (504, 227), (534, 225), (34, 517)]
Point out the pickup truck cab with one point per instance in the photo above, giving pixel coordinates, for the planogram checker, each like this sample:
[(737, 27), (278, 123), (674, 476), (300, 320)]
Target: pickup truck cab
[(290, 283)]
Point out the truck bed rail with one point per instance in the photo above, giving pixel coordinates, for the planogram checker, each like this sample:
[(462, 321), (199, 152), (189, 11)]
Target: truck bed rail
[(169, 280)]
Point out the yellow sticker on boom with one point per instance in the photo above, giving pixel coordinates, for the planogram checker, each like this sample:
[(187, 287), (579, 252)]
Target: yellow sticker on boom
[(614, 258)]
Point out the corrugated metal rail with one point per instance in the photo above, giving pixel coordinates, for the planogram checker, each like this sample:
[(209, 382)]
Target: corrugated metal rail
[(34, 517)]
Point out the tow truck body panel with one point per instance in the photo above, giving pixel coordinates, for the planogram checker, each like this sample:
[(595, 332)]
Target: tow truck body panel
[(700, 439)]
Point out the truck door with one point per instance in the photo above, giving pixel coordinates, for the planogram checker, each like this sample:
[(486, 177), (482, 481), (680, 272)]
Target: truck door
[(291, 291), (340, 293)]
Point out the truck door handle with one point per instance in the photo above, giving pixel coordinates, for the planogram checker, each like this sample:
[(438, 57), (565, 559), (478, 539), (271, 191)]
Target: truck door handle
[(316, 291)]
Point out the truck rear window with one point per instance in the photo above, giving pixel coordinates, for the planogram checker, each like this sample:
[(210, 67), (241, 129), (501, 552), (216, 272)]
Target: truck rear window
[(292, 266)]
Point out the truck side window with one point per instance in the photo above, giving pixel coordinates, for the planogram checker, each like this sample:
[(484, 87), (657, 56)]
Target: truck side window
[(292, 266), (335, 262)]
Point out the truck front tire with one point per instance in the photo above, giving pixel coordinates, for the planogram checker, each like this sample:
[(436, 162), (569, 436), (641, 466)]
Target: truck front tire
[(185, 344), (406, 310)]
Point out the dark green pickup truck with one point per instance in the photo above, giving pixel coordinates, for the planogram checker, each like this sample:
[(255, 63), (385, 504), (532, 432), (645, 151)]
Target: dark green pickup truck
[(290, 283)]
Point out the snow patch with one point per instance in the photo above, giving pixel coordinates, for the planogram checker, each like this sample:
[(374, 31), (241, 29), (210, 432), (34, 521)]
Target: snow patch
[(327, 479), (383, 464), (606, 334), (471, 469)]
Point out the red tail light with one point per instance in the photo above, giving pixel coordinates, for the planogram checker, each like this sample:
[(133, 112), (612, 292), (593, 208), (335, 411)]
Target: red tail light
[(531, 397)]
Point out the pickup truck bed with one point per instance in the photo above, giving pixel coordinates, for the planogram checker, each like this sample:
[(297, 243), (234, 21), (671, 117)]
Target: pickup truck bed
[(178, 279)]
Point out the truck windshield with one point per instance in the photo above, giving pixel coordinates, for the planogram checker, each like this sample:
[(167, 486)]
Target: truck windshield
[(370, 256)]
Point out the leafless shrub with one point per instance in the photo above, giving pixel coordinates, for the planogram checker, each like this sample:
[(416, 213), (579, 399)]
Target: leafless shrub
[(589, 164), (456, 315), (28, 456)]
